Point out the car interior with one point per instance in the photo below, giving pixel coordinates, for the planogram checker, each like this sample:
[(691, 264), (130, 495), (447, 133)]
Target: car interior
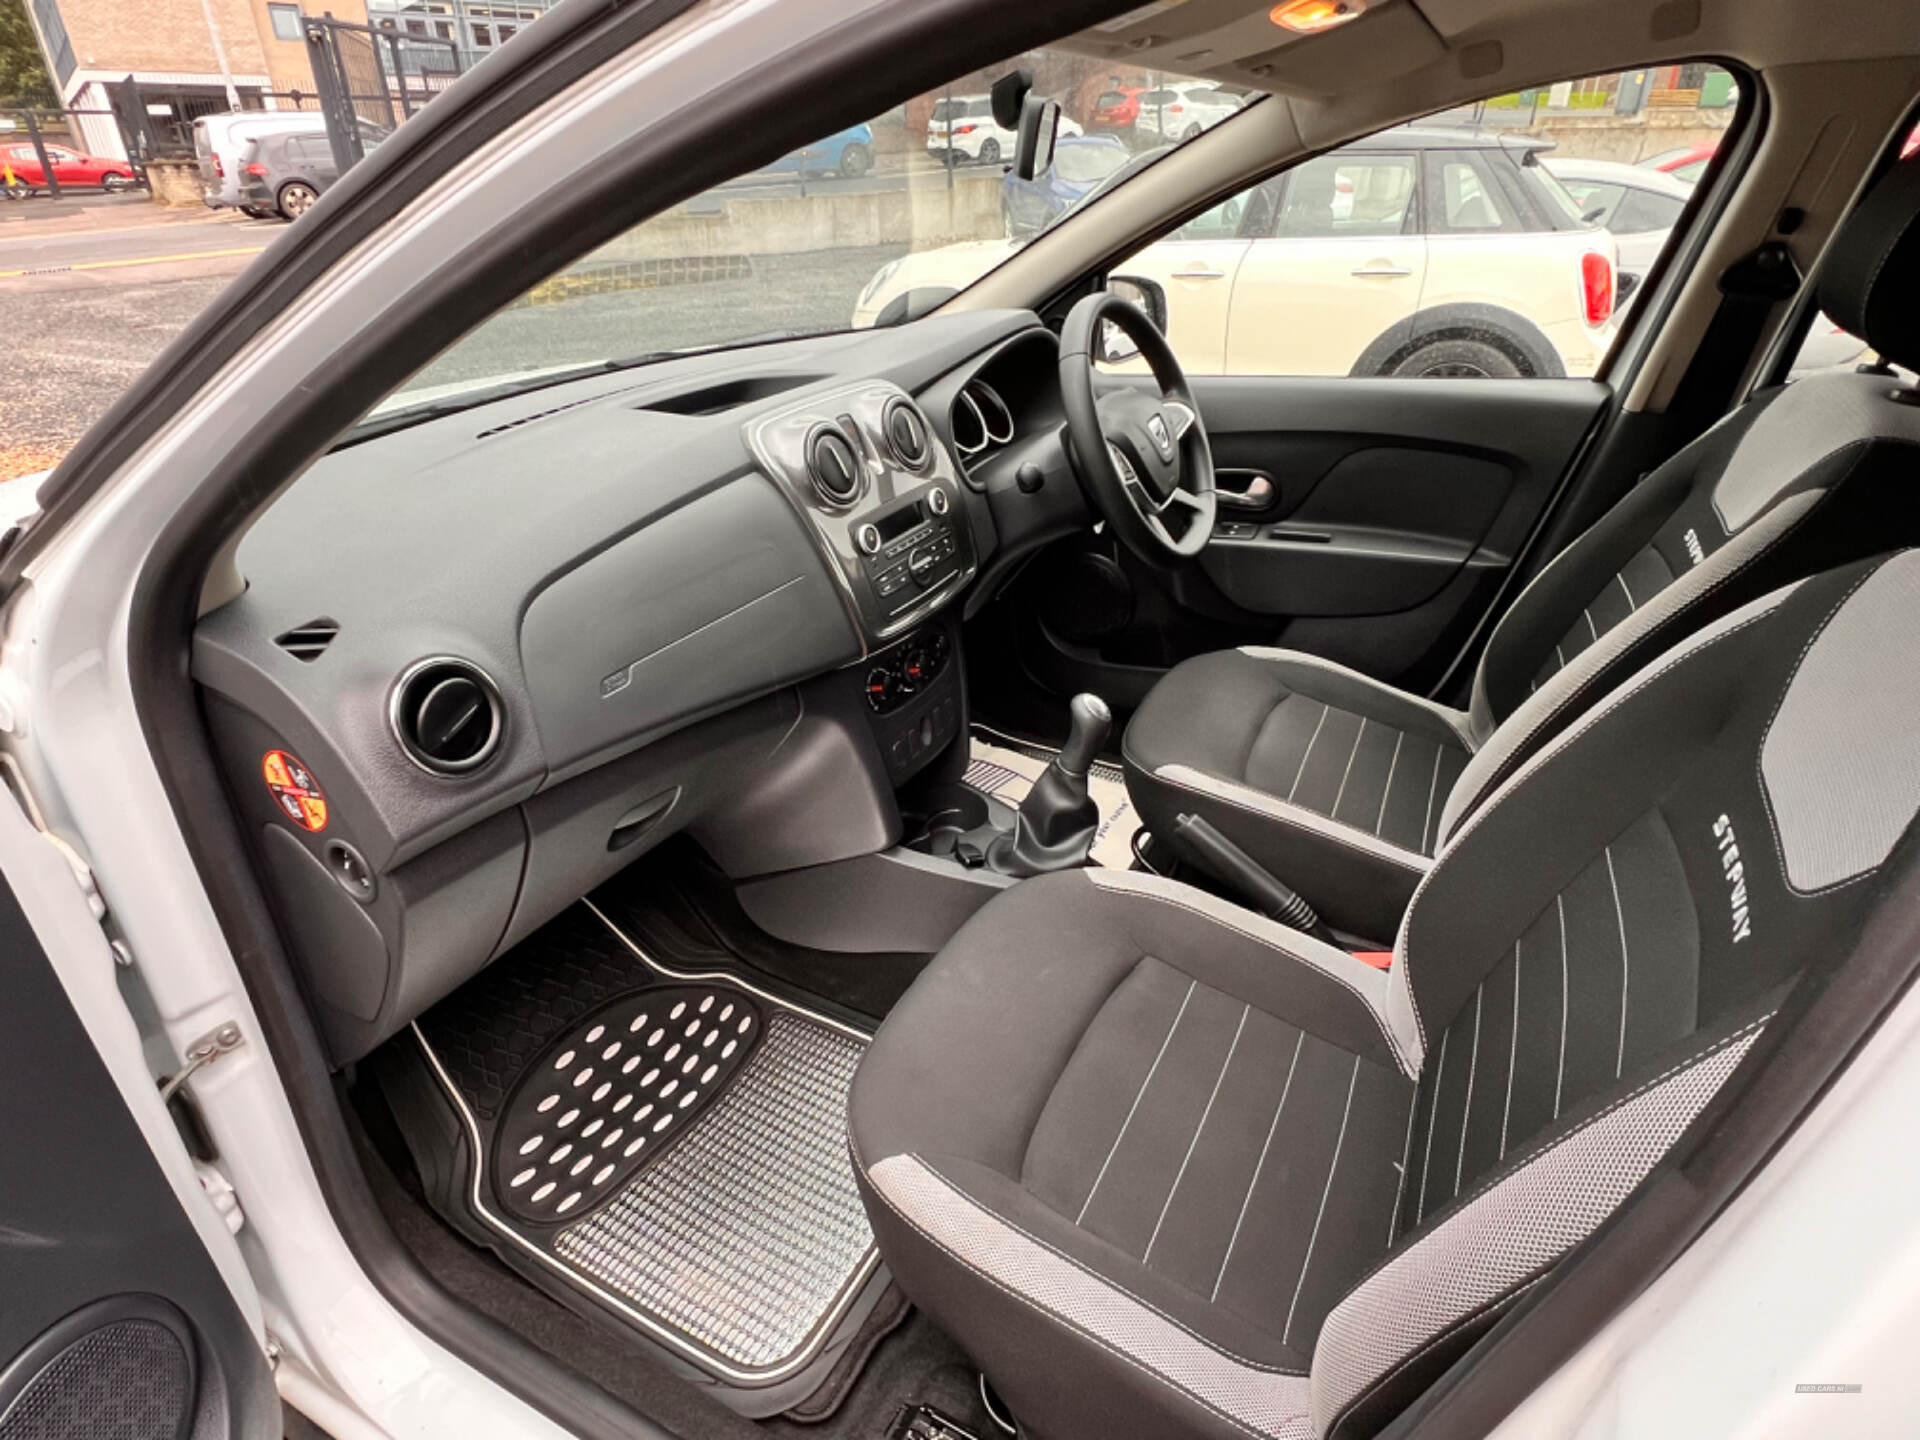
[(811, 868)]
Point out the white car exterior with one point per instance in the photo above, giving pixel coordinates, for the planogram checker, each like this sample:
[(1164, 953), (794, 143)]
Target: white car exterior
[(964, 124), (1179, 112), (1322, 280)]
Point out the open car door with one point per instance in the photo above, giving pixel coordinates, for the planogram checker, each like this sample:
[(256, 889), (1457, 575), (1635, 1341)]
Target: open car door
[(115, 1319)]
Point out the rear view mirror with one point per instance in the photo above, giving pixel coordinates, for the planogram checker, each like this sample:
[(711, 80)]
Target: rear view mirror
[(1039, 125)]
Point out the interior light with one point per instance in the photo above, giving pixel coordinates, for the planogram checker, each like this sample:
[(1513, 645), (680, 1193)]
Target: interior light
[(1308, 16)]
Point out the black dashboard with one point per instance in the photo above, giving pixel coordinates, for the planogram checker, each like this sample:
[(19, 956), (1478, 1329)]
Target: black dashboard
[(500, 653)]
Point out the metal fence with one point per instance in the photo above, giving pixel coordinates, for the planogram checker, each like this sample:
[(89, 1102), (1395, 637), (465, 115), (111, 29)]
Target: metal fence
[(369, 79)]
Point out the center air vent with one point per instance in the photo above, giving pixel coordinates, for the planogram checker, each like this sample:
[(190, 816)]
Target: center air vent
[(906, 434), (832, 466), (447, 715)]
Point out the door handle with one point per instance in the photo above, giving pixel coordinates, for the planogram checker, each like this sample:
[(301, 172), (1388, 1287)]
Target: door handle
[(1380, 270), (1200, 272), (1257, 496)]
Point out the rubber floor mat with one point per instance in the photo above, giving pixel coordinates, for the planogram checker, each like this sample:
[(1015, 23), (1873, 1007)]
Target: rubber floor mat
[(672, 1143)]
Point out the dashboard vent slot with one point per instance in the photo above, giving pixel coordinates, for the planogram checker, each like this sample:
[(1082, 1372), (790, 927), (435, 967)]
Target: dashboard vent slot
[(906, 434), (507, 425), (447, 715), (833, 467), (309, 642)]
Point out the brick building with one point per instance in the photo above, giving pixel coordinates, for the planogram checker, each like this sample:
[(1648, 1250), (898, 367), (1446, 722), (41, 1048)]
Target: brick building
[(173, 49)]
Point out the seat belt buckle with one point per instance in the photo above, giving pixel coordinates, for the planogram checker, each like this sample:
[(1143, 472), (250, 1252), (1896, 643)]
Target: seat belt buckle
[(1378, 959)]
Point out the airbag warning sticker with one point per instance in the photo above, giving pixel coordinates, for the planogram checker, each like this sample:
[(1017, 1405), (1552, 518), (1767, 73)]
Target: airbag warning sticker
[(295, 790)]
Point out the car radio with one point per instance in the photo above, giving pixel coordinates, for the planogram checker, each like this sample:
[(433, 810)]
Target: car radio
[(881, 496)]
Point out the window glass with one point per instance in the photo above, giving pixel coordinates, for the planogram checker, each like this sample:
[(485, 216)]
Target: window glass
[(286, 21), (797, 249), (1642, 210), (1465, 201), (1447, 247), (1597, 202), (1346, 195)]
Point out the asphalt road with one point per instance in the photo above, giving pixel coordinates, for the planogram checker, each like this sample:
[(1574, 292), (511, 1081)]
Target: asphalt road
[(45, 255)]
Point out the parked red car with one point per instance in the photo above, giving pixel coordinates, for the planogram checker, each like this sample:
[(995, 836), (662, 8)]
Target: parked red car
[(1117, 109), (1687, 163), (70, 167)]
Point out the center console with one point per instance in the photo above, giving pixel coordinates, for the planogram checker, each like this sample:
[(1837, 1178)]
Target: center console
[(881, 498)]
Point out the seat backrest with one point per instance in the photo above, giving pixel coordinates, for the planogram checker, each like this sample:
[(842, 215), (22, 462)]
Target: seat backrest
[(1600, 944), (1797, 480)]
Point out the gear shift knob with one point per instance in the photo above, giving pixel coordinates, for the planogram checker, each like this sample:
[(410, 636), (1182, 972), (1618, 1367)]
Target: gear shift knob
[(1090, 721)]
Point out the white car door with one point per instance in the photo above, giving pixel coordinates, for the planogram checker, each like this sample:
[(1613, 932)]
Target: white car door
[(1197, 267), (1336, 262)]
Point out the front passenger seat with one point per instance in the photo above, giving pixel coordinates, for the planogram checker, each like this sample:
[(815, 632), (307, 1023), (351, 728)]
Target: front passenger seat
[(1344, 787)]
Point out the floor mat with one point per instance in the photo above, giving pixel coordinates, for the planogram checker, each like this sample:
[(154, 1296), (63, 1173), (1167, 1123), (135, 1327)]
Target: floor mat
[(671, 1142), (1006, 768)]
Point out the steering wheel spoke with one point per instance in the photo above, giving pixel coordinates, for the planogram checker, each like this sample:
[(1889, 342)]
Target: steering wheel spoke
[(1144, 456)]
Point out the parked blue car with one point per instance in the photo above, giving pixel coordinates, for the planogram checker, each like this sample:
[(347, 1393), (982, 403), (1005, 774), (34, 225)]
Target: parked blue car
[(848, 154), (1080, 162)]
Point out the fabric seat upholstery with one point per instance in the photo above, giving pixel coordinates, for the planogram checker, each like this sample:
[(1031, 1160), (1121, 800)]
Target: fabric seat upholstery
[(1163, 1167), (1797, 480)]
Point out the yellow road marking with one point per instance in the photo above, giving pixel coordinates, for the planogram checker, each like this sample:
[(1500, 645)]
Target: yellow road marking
[(120, 264)]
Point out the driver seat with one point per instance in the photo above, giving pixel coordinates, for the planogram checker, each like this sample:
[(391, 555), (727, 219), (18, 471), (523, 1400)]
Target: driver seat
[(1344, 787)]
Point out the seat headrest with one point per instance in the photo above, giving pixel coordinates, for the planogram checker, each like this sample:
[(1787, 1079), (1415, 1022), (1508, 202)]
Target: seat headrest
[(1870, 280)]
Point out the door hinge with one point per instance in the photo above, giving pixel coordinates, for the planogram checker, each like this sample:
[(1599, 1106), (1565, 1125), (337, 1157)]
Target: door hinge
[(221, 1040)]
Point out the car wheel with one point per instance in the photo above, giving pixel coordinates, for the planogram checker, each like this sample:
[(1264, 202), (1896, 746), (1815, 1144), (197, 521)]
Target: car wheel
[(1191, 131), (855, 161), (113, 182), (1457, 360), (989, 152), (296, 198)]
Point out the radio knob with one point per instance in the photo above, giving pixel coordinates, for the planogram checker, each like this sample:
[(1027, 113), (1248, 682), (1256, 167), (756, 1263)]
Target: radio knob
[(867, 537), (920, 565), (937, 501)]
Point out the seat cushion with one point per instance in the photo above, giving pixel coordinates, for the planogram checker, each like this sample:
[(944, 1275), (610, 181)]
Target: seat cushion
[(1174, 1129), (1331, 780)]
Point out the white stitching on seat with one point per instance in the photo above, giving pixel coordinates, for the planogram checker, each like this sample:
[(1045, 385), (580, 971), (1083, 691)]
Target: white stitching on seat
[(1299, 1042), (1117, 885), (1453, 719), (1139, 1095), (1353, 1083)]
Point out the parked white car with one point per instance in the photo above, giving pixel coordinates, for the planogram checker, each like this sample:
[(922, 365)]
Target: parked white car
[(1418, 251), (964, 125), (1638, 206), (1180, 112)]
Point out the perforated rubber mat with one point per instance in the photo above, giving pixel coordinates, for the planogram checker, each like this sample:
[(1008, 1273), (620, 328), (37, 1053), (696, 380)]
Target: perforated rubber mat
[(675, 1145)]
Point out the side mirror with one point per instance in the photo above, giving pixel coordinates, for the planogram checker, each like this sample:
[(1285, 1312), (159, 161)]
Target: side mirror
[(1116, 346), (1624, 284), (1039, 127)]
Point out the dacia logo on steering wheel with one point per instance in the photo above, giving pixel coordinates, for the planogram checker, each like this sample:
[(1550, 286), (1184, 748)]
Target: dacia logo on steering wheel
[(1157, 428)]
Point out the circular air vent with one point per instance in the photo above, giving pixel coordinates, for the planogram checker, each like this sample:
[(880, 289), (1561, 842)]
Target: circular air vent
[(832, 466), (906, 434), (447, 715)]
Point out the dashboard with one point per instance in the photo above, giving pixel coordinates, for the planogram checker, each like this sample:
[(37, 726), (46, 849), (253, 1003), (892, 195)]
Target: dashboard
[(482, 662)]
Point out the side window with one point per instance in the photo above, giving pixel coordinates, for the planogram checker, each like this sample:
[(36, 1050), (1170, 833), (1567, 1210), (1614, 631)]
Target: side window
[(1352, 195), (1642, 210), (1462, 245), (1597, 202), (1464, 198)]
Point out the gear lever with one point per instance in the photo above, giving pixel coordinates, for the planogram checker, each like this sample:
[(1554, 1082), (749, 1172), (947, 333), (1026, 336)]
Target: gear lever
[(1057, 822)]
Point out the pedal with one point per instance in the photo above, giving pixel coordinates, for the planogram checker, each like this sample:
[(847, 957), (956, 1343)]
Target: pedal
[(923, 1422)]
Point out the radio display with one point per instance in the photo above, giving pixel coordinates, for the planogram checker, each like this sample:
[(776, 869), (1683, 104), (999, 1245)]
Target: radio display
[(900, 522)]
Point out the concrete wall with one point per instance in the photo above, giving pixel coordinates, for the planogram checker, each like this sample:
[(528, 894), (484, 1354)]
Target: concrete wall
[(832, 215), (1630, 139)]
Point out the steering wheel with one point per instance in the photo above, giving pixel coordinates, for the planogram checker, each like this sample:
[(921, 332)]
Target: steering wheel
[(1145, 459)]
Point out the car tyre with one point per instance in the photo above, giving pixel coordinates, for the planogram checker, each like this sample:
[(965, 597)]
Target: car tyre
[(113, 182), (1191, 131), (855, 160), (989, 152), (296, 198), (1457, 358)]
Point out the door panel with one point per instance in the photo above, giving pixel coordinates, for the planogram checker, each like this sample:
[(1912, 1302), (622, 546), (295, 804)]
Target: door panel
[(1398, 507), (1198, 276), (115, 1319)]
